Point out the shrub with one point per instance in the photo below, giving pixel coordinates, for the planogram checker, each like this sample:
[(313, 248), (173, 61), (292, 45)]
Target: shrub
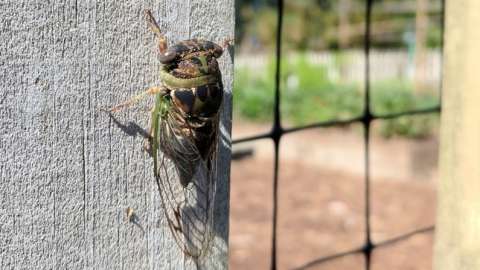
[(309, 96)]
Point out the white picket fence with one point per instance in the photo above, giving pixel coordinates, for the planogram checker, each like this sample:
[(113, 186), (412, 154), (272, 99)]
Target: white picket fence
[(349, 66)]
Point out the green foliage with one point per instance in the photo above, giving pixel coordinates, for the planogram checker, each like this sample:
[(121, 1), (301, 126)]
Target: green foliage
[(418, 126), (257, 26), (396, 96), (309, 96), (253, 95), (316, 24)]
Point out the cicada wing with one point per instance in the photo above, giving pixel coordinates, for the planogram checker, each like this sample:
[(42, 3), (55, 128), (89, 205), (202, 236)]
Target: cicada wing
[(186, 184)]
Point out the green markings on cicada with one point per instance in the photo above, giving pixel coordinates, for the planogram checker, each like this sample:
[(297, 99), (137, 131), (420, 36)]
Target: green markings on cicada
[(160, 111), (203, 61), (155, 124), (164, 106), (174, 82)]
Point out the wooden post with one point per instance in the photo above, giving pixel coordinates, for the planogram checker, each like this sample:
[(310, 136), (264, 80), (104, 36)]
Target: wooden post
[(69, 171), (458, 220)]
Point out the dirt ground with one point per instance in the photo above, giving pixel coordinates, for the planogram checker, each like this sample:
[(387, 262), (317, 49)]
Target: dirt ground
[(321, 208)]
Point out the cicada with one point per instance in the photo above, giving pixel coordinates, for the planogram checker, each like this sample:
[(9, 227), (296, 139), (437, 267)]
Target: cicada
[(184, 136)]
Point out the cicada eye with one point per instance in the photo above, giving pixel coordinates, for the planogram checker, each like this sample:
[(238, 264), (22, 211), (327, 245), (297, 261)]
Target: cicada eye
[(167, 57), (218, 50)]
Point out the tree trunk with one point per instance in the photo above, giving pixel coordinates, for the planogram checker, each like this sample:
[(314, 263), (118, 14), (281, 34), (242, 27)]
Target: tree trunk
[(458, 220), (68, 170)]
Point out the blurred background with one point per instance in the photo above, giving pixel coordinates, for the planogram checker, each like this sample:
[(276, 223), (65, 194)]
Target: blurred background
[(321, 180)]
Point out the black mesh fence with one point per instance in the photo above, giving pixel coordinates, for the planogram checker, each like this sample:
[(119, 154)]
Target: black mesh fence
[(277, 132)]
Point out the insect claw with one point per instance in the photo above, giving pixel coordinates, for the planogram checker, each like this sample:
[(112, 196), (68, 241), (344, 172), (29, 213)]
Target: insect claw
[(104, 110), (228, 42), (147, 145), (131, 216), (112, 109)]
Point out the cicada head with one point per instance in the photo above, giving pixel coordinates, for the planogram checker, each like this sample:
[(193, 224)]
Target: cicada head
[(187, 61), (185, 48)]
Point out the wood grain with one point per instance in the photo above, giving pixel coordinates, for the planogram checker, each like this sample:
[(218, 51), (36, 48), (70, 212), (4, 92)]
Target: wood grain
[(69, 171)]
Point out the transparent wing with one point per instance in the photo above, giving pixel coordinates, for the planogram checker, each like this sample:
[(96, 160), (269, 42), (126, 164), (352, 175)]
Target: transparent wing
[(186, 184)]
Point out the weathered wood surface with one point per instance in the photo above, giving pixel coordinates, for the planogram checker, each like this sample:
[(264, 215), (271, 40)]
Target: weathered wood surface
[(457, 239), (69, 171)]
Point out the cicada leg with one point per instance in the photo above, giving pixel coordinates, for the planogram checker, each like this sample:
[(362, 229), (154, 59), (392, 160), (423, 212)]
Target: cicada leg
[(151, 143), (228, 42), (152, 23), (149, 92), (148, 142)]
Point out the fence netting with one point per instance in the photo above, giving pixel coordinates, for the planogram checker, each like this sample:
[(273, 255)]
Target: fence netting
[(365, 119)]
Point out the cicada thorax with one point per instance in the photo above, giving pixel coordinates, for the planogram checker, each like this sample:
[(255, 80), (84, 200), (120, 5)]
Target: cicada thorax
[(196, 90), (202, 101)]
